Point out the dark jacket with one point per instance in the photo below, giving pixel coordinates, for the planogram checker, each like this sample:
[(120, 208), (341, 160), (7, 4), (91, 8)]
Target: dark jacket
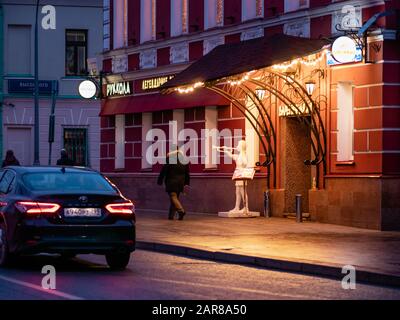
[(176, 176), (65, 161), (13, 162)]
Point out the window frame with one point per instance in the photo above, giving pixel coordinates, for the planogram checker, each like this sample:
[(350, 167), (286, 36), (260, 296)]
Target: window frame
[(86, 135), (76, 44)]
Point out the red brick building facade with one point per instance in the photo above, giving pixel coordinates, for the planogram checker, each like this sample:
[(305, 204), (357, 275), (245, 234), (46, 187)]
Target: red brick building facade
[(148, 42)]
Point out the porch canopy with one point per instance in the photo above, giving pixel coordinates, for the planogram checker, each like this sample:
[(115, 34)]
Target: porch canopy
[(236, 58), (158, 102), (242, 71)]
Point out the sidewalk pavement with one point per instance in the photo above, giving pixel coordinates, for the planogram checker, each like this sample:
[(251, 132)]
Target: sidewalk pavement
[(308, 247)]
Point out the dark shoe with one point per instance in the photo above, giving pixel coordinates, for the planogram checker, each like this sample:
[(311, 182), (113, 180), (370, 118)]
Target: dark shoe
[(181, 215), (171, 215)]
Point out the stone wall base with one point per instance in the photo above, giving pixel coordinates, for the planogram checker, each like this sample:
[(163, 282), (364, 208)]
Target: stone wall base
[(372, 203)]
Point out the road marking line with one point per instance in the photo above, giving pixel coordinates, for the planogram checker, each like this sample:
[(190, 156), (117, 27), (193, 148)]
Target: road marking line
[(39, 288), (295, 296)]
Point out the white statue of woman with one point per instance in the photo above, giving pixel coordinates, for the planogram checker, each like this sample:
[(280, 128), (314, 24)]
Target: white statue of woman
[(241, 163)]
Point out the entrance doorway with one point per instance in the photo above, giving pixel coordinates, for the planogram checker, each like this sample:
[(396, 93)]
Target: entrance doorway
[(296, 176), (19, 139)]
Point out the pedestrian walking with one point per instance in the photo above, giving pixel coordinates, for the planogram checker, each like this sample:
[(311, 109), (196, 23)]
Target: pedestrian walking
[(10, 159), (176, 176), (65, 160)]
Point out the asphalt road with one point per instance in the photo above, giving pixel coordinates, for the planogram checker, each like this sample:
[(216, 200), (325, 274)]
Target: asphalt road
[(153, 275)]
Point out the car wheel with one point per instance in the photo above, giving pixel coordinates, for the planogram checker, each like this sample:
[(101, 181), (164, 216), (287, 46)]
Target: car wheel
[(5, 255), (118, 261)]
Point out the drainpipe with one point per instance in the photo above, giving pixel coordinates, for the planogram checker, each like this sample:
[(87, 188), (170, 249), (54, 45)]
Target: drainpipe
[(1, 78)]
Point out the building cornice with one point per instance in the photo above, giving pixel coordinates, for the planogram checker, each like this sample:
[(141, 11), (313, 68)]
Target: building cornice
[(242, 27)]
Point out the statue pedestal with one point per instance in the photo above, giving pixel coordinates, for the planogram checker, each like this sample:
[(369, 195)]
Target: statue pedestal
[(238, 214)]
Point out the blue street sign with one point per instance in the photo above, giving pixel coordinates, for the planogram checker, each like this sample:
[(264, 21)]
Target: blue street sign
[(27, 86)]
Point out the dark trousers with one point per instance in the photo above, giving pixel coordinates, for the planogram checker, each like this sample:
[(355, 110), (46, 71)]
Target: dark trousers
[(175, 205)]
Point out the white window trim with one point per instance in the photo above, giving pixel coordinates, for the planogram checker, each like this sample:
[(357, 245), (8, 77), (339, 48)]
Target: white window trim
[(147, 125), (211, 124), (345, 121), (252, 139), (147, 20), (120, 141)]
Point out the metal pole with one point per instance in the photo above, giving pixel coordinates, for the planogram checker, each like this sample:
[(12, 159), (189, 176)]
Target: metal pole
[(299, 215), (267, 211), (1, 79), (36, 160), (245, 197), (52, 118)]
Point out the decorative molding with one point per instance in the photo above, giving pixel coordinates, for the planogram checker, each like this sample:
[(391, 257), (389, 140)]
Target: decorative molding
[(245, 25), (299, 28), (120, 63), (219, 13), (252, 34), (148, 59), (211, 43), (179, 53)]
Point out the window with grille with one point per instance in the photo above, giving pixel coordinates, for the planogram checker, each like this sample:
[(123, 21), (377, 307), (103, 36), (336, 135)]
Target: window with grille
[(75, 143)]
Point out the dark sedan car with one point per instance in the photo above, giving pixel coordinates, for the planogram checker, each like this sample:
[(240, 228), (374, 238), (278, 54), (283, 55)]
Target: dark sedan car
[(65, 210)]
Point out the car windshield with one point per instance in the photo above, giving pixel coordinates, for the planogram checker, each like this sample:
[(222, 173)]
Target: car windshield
[(67, 182)]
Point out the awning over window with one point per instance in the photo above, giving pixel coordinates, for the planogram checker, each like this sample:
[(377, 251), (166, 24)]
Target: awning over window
[(157, 102), (236, 58)]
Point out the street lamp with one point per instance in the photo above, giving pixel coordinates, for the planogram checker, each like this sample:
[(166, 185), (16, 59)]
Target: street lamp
[(36, 160), (310, 86), (260, 93)]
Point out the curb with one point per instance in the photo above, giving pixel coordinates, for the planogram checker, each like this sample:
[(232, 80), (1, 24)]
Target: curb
[(331, 271)]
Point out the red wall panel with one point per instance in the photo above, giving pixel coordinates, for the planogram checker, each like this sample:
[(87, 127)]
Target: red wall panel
[(133, 22), (133, 62), (107, 165), (163, 56), (270, 31), (133, 165), (273, 8), (163, 19), (319, 3), (393, 21), (195, 50), (232, 38), (196, 15), (133, 134), (107, 65), (369, 12), (391, 163), (232, 12), (321, 27), (107, 135)]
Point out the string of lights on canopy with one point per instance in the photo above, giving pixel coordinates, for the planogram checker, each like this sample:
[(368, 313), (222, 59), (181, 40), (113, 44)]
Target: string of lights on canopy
[(276, 70)]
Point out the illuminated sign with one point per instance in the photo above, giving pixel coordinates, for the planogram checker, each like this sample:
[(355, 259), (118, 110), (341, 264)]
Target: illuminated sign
[(330, 60), (119, 89), (300, 110), (344, 50), (87, 89), (154, 83)]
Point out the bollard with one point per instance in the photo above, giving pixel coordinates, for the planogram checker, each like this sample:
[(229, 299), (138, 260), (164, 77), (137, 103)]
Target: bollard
[(299, 215), (267, 211)]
